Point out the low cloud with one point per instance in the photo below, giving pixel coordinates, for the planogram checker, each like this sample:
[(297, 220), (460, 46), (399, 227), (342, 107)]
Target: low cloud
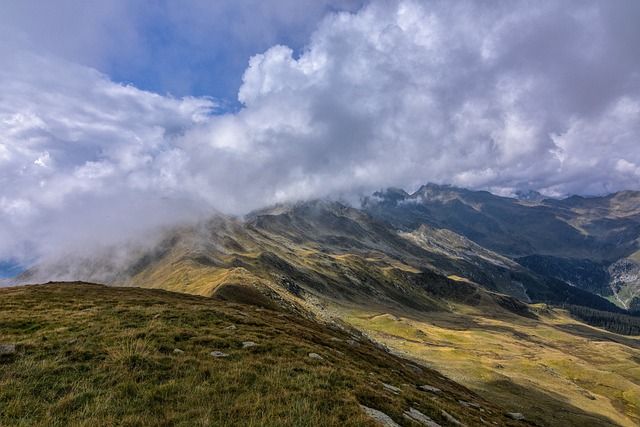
[(502, 96)]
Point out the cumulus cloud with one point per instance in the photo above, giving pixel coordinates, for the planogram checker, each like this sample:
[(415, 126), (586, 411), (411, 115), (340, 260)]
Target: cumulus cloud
[(506, 96)]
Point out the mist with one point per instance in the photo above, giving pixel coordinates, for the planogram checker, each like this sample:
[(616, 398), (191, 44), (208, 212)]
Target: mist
[(500, 96)]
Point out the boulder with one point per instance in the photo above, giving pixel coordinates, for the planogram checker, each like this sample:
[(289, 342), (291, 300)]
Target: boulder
[(384, 419), (218, 354), (7, 349), (420, 418), (315, 356), (450, 418), (429, 389), (515, 416), (392, 389)]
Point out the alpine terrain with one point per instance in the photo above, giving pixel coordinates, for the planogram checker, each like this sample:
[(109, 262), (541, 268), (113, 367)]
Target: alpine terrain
[(442, 307)]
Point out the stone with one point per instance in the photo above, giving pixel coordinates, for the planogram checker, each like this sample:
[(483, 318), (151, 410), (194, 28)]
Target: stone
[(178, 351), (429, 389), (7, 349), (232, 327), (450, 418), (219, 354), (417, 416), (384, 419), (315, 356), (413, 368), (471, 405), (515, 416), (247, 344), (392, 389)]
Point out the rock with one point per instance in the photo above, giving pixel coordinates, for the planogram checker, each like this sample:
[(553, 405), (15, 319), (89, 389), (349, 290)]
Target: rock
[(392, 389), (246, 344), (7, 349), (429, 389), (419, 417), (471, 405), (219, 354), (178, 351), (450, 418), (336, 339), (315, 356), (384, 419), (413, 368), (155, 316), (231, 328), (515, 416), (242, 313)]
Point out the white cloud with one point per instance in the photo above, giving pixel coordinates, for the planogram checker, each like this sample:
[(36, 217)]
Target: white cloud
[(501, 95)]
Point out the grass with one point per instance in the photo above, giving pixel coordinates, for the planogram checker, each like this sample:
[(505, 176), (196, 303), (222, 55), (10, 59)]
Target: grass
[(553, 369), (90, 355)]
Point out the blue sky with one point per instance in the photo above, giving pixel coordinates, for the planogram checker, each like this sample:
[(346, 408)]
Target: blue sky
[(120, 117)]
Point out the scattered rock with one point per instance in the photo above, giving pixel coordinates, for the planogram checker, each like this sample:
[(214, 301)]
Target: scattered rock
[(471, 405), (353, 343), (155, 316), (219, 354), (336, 339), (7, 349), (242, 313), (392, 389), (419, 417), (315, 356), (515, 416), (430, 389), (246, 344), (450, 418), (178, 351), (384, 419), (232, 327), (259, 310), (413, 368)]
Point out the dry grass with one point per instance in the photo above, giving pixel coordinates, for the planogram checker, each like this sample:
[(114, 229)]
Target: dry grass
[(543, 368), (89, 355)]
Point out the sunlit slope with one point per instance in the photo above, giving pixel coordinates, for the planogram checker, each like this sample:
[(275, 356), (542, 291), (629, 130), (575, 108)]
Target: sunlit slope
[(553, 369), (78, 354)]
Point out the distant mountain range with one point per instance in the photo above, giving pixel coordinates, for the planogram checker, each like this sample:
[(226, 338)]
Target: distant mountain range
[(590, 243), (582, 251)]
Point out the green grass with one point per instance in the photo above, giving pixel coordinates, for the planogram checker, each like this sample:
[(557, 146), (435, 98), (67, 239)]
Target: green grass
[(89, 355)]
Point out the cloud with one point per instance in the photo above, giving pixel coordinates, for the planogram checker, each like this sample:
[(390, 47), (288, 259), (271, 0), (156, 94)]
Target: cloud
[(503, 96), (82, 158)]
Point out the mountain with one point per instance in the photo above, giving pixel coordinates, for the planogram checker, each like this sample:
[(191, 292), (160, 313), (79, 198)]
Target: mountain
[(591, 243), (456, 280), (85, 354)]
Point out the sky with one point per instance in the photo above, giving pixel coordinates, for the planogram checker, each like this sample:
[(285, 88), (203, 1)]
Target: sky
[(120, 117)]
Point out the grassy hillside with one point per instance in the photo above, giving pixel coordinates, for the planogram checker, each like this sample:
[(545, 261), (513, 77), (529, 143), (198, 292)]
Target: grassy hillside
[(90, 355), (552, 368)]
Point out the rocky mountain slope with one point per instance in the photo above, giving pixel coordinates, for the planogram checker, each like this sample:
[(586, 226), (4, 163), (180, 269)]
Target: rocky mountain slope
[(590, 243)]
